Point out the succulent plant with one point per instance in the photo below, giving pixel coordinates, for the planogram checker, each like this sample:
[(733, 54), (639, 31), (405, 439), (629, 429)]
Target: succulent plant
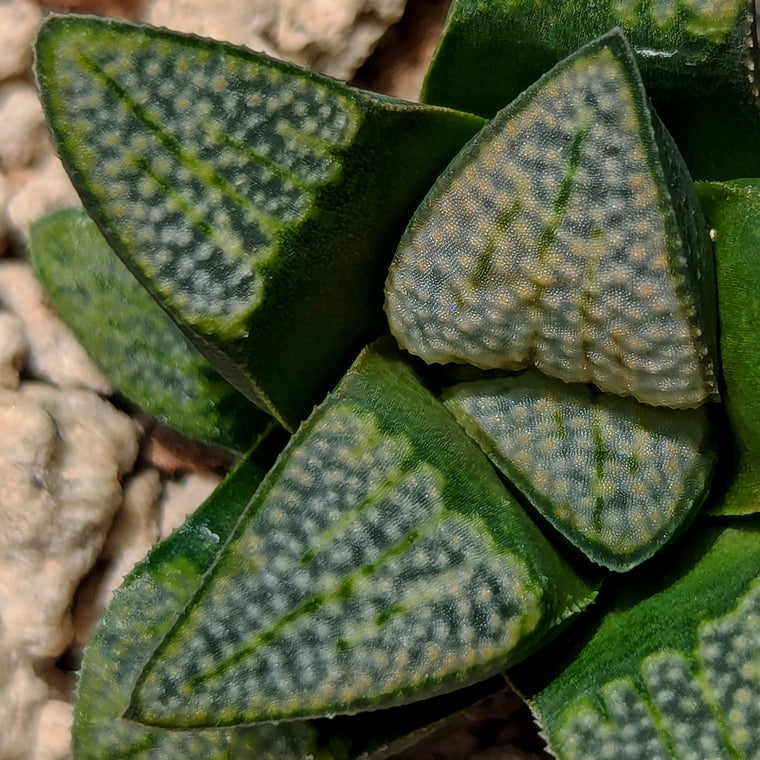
[(539, 436)]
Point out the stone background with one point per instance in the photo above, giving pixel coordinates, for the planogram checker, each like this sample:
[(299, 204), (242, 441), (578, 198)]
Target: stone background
[(85, 488)]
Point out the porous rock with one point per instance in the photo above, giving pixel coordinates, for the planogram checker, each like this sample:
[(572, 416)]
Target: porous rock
[(23, 136), (19, 20), (53, 353), (62, 455)]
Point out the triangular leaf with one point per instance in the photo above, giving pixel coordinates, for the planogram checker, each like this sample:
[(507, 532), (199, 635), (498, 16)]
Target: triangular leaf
[(617, 478), (670, 669), (132, 340), (152, 597), (566, 236), (384, 562), (257, 201)]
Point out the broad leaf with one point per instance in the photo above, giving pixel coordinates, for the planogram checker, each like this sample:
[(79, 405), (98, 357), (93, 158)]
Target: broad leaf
[(566, 236), (258, 202), (617, 478), (132, 340), (152, 596), (697, 60), (383, 562), (668, 667)]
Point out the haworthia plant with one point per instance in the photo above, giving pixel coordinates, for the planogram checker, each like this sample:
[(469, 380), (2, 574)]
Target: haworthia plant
[(152, 597), (141, 351), (566, 236), (617, 478), (375, 567), (698, 59), (668, 667), (259, 203), (381, 559)]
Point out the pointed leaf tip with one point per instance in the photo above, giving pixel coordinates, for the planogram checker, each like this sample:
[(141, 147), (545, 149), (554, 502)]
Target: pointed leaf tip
[(565, 236)]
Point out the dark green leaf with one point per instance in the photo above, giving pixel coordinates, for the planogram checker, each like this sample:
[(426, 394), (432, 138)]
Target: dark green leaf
[(258, 202), (383, 562), (135, 344), (698, 60)]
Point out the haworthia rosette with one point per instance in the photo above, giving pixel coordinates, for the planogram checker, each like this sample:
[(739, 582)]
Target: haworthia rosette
[(132, 340), (258, 202), (617, 478), (383, 562), (698, 59), (670, 669), (152, 596), (566, 236)]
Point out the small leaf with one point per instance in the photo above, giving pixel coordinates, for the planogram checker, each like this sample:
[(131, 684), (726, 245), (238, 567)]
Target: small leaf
[(697, 59), (566, 236), (143, 608), (259, 203), (670, 669), (617, 478), (384, 562), (131, 339)]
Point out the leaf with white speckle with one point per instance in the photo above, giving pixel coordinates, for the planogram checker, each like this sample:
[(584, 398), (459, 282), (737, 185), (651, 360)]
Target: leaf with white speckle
[(566, 236), (384, 562), (668, 667), (617, 478), (258, 202), (152, 596)]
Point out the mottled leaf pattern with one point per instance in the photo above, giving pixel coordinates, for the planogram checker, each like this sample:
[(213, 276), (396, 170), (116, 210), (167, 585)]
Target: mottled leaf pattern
[(258, 202), (554, 240), (376, 569), (616, 477), (641, 681)]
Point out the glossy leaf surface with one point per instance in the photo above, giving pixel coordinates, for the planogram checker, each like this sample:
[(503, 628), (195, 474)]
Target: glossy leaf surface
[(668, 666), (152, 596), (384, 562), (617, 478), (698, 61), (132, 340), (566, 236), (258, 202)]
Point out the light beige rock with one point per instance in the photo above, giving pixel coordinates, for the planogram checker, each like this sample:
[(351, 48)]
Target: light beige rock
[(22, 698), (53, 353), (12, 349), (62, 455), (332, 36), (19, 20), (183, 496), (54, 732), (23, 135), (5, 227), (41, 189), (241, 22)]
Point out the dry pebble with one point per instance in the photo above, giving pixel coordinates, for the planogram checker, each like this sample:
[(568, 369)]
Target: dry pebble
[(12, 349), (23, 135), (19, 20), (53, 353)]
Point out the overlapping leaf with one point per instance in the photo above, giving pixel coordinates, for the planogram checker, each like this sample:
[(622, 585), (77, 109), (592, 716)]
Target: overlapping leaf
[(617, 478), (258, 202), (135, 344), (152, 596), (566, 236), (669, 667), (384, 562), (697, 60)]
